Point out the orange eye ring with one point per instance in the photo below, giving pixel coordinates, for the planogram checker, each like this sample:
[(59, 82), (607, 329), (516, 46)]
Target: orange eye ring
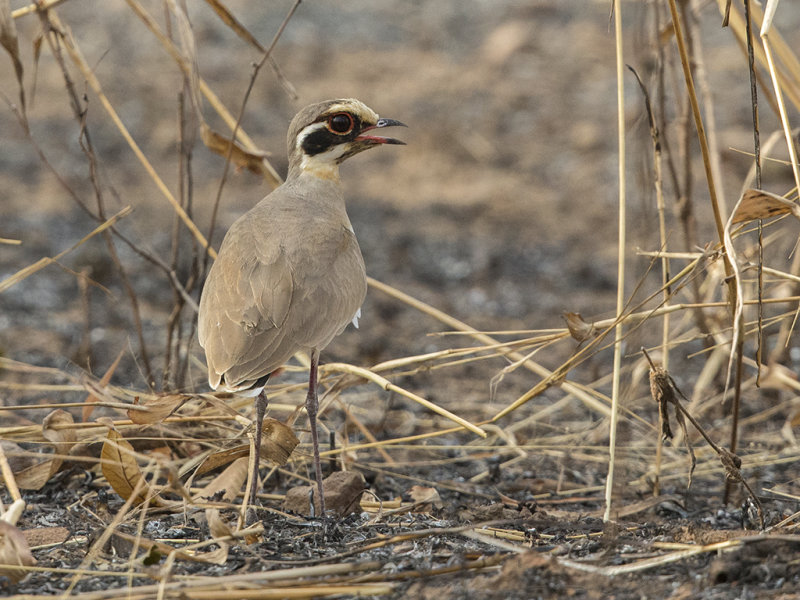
[(341, 123)]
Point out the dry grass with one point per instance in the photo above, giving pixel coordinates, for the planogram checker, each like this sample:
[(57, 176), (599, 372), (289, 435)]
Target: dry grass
[(719, 317)]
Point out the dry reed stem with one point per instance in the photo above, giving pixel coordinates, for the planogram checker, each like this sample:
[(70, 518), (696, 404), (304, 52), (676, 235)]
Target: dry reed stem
[(8, 479), (660, 561), (97, 547), (778, 86), (698, 120), (665, 266), (78, 59), (272, 176), (520, 352), (621, 254), (391, 387), (454, 323), (737, 343), (40, 5)]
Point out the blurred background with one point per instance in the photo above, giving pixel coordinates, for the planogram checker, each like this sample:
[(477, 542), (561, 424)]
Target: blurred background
[(500, 211)]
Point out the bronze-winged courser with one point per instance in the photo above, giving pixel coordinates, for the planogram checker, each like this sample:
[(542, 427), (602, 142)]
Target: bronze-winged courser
[(289, 275)]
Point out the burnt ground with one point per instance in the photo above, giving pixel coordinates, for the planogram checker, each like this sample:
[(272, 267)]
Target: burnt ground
[(501, 212)]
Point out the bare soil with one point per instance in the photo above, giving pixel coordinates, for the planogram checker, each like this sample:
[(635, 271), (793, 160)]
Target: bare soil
[(501, 212)]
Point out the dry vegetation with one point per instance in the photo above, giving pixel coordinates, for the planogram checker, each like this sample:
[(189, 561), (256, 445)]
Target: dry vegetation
[(481, 421)]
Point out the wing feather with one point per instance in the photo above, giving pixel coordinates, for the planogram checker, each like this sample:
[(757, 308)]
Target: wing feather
[(244, 303), (286, 279)]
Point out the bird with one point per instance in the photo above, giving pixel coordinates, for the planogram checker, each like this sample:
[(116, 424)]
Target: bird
[(289, 275)]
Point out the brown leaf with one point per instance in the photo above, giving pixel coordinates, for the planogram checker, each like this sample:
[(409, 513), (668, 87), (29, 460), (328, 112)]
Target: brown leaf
[(213, 557), (252, 161), (55, 429), (216, 557), (121, 470), (231, 21), (14, 552), (216, 526), (231, 480), (17, 458), (732, 464), (425, 497), (278, 441), (91, 399), (158, 409), (219, 459), (758, 204), (663, 394), (35, 476), (578, 328)]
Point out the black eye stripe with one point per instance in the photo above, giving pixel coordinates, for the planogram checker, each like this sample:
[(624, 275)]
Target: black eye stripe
[(321, 139)]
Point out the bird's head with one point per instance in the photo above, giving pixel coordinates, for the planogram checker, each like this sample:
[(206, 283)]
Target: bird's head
[(323, 135)]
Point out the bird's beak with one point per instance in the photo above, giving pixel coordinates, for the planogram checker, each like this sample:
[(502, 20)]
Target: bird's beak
[(378, 139)]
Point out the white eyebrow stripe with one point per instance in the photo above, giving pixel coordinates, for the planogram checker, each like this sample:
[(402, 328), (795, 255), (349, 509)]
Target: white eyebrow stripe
[(354, 106)]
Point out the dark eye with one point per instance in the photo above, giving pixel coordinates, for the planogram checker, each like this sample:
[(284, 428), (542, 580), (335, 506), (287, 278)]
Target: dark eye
[(340, 123)]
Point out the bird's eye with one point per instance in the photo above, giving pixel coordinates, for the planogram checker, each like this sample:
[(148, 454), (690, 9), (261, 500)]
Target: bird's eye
[(340, 123)]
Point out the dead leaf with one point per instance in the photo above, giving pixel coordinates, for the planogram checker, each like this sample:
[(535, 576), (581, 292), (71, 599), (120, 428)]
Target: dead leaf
[(759, 204), (662, 393), (216, 557), (665, 392), (34, 477), (278, 441), (732, 465), (18, 459), (579, 329), (121, 469), (252, 161), (157, 408), (55, 429), (219, 529), (14, 552), (219, 459), (231, 21), (91, 399), (425, 497), (231, 480)]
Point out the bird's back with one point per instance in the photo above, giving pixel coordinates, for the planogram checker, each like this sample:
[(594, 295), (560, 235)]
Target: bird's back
[(289, 276)]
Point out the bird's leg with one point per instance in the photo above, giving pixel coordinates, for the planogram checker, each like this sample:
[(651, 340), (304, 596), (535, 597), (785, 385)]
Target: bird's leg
[(312, 406), (261, 410)]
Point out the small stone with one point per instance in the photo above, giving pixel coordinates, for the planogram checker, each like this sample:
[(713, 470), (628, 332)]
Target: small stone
[(342, 489)]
